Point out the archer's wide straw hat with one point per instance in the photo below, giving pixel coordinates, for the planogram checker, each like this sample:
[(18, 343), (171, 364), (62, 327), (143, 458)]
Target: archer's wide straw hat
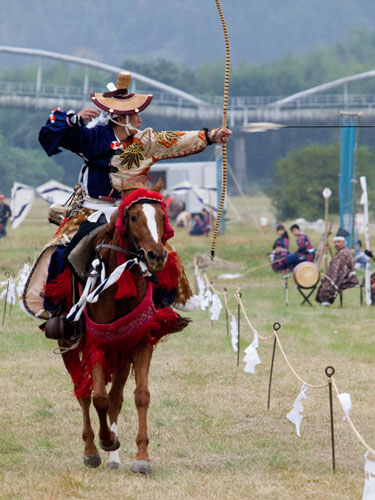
[(119, 101)]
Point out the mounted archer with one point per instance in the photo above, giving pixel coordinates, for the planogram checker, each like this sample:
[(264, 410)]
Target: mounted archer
[(114, 150)]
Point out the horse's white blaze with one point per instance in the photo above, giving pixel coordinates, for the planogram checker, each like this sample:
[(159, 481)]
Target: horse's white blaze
[(150, 212)]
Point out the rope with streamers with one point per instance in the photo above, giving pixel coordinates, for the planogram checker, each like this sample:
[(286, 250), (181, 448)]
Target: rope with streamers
[(224, 125), (357, 434), (313, 386)]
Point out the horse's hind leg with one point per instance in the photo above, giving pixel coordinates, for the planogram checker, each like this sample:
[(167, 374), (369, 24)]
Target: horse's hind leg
[(115, 403), (108, 439), (91, 457), (141, 360)]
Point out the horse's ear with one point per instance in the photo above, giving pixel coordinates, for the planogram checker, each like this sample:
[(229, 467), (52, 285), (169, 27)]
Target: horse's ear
[(158, 186)]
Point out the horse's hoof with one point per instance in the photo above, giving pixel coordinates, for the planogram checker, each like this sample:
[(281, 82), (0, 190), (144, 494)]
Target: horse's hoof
[(113, 465), (115, 446), (141, 467), (92, 461)]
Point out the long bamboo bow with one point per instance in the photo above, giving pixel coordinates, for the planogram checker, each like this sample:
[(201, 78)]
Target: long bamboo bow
[(223, 124)]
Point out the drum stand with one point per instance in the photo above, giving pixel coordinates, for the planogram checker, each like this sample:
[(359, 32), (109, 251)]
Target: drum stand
[(285, 278), (306, 293)]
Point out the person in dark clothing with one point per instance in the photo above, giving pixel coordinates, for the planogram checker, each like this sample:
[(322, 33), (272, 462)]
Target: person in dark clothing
[(305, 250), (5, 213), (282, 237)]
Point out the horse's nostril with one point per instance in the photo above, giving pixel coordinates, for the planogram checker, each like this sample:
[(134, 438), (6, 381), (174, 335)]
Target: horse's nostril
[(152, 255)]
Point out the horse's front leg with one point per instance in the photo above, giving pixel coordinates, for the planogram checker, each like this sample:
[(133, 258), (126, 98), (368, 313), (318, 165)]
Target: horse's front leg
[(107, 439), (141, 360), (116, 399), (91, 457)]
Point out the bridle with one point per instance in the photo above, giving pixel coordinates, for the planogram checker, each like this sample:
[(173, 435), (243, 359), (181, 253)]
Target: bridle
[(139, 253)]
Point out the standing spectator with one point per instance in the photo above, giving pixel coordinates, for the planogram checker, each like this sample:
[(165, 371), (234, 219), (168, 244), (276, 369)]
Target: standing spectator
[(5, 213), (305, 250)]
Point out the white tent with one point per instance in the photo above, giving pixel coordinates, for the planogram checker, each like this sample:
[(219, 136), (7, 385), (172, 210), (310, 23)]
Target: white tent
[(206, 196), (23, 196)]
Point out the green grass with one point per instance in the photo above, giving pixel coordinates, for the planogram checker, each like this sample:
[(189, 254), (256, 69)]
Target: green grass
[(211, 435)]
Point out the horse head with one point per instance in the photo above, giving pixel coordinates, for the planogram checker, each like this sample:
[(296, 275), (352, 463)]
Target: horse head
[(145, 222)]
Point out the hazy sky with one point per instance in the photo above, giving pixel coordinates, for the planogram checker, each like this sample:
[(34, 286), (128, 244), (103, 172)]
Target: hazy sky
[(182, 30)]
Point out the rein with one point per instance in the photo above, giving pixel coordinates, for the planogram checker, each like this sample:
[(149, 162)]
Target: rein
[(134, 255)]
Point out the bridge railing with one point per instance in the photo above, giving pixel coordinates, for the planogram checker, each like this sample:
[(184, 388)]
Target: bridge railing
[(235, 103)]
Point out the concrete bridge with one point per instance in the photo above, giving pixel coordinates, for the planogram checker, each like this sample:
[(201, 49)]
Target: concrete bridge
[(314, 104)]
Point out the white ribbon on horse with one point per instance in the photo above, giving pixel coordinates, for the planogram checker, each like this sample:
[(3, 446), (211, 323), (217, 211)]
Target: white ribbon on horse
[(346, 403), (216, 307), (295, 415), (251, 357), (369, 487), (234, 333), (91, 296)]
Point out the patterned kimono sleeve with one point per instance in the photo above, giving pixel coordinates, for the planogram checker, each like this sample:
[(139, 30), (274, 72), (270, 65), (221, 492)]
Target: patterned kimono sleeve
[(172, 144)]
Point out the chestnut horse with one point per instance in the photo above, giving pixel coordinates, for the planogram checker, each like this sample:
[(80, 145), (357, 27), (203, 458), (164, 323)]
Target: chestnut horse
[(140, 229)]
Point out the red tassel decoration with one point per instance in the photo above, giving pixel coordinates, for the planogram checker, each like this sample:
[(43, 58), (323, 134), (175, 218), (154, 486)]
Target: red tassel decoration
[(60, 289), (168, 277), (125, 286)]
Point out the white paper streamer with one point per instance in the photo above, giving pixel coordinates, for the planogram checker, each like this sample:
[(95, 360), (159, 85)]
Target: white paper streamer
[(295, 415), (251, 358), (23, 275), (9, 292), (234, 333), (207, 299), (369, 487), (202, 291), (216, 307), (346, 403)]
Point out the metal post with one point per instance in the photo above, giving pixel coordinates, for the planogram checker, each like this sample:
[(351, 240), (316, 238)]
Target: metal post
[(226, 312), (276, 327), (329, 371), (7, 275), (238, 331), (39, 78), (85, 90), (10, 305), (286, 288)]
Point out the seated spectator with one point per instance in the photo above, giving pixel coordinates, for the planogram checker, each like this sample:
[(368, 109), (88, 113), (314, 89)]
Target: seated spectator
[(278, 258), (282, 237), (197, 229), (360, 259), (206, 221), (340, 274), (305, 250), (201, 224)]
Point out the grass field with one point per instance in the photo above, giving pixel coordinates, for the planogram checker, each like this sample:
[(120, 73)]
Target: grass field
[(211, 435)]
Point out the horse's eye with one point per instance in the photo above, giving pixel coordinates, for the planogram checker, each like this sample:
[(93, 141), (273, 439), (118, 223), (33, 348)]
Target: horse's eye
[(133, 218)]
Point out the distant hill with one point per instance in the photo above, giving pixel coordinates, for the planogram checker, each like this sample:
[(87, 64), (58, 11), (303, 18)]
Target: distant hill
[(184, 31)]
